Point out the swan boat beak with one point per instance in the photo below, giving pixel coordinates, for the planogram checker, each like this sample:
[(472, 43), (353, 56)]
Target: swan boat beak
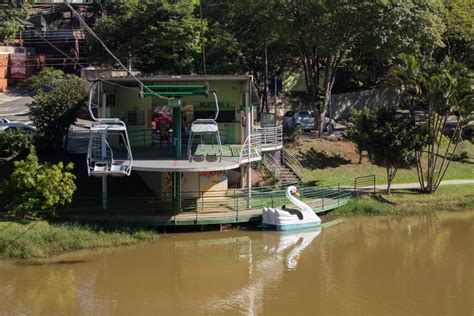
[(297, 192)]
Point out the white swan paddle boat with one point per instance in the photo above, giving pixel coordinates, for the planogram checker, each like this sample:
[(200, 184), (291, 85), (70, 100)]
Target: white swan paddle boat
[(288, 218)]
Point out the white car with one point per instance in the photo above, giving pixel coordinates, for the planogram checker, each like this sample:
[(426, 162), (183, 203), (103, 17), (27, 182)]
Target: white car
[(305, 119), (4, 120), (16, 127)]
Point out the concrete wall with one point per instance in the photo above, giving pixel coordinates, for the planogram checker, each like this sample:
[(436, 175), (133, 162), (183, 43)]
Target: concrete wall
[(343, 104)]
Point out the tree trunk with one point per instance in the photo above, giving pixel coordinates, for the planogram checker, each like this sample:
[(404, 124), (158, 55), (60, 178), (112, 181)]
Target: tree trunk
[(265, 76)]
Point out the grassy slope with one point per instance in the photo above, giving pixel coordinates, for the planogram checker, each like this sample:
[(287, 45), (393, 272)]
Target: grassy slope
[(41, 239), (329, 162), (447, 198)]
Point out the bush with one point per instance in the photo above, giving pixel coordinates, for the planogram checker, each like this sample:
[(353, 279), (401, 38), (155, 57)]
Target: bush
[(14, 142), (292, 133), (35, 187), (44, 80)]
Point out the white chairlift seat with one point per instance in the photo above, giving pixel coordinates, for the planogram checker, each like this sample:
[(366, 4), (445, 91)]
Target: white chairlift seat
[(202, 127), (101, 159)]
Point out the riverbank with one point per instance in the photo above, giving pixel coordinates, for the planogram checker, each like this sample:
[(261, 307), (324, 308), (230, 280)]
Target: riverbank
[(411, 201), (38, 239)]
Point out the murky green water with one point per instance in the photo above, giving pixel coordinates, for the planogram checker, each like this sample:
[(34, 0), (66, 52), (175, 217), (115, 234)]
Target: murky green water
[(411, 265)]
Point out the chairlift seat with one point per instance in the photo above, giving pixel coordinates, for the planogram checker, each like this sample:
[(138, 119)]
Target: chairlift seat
[(204, 127)]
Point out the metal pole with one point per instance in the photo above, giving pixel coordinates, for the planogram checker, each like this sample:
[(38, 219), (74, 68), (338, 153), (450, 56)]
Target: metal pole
[(104, 178), (323, 199), (176, 105), (248, 109), (338, 193)]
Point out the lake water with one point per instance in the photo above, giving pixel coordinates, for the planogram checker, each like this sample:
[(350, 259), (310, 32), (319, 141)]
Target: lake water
[(370, 265)]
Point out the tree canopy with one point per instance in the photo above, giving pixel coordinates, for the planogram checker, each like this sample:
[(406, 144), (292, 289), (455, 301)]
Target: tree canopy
[(14, 9)]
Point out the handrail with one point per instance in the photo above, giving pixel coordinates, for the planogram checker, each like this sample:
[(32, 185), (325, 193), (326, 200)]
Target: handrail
[(251, 148), (292, 163)]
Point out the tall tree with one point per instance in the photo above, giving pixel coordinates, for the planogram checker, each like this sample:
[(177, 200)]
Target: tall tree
[(443, 91), (333, 30), (155, 36)]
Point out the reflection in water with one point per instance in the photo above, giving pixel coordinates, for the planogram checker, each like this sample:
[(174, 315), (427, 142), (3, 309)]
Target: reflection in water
[(387, 265)]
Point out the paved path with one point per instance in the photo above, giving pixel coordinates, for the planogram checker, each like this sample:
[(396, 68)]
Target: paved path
[(13, 105), (416, 185)]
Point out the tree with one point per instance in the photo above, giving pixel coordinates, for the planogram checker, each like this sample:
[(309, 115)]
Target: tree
[(447, 94), (443, 91), (389, 139), (151, 35), (458, 16), (13, 10), (54, 111), (34, 187), (334, 30)]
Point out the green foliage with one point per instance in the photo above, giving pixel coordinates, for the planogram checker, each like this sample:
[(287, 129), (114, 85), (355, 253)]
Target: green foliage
[(389, 139), (14, 142), (292, 133), (35, 187), (54, 111), (458, 16), (44, 80), (41, 239), (154, 35), (15, 9)]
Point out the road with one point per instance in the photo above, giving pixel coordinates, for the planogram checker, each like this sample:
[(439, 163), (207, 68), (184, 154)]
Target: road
[(13, 105)]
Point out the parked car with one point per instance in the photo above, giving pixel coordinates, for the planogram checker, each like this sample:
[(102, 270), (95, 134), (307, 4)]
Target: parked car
[(4, 127), (305, 119), (4, 120)]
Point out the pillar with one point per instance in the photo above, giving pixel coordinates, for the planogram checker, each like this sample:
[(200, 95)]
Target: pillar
[(177, 146)]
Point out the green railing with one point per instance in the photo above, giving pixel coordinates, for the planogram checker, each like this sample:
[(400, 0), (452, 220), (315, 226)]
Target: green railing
[(233, 205)]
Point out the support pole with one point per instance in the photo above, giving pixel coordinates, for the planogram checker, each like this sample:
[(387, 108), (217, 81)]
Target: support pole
[(248, 113), (177, 146), (104, 178), (177, 192)]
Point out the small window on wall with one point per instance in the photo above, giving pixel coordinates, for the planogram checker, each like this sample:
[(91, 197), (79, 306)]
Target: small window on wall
[(136, 118), (110, 100)]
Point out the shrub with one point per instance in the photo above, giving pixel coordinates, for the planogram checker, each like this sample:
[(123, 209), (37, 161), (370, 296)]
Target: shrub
[(35, 187), (14, 142), (292, 133)]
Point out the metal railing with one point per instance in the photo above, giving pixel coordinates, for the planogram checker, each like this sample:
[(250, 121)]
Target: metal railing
[(251, 149), (292, 162), (271, 136), (236, 204)]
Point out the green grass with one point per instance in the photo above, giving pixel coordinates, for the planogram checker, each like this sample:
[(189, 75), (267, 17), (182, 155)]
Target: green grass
[(406, 202), (39, 239), (329, 162)]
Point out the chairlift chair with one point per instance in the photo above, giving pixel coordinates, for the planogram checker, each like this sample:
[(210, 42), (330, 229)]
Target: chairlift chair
[(101, 160), (201, 128)]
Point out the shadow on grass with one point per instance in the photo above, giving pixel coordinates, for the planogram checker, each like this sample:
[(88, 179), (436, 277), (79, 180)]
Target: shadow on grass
[(381, 199), (313, 159)]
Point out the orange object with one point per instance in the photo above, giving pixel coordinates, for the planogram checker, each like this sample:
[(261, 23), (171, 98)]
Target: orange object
[(3, 66), (3, 85)]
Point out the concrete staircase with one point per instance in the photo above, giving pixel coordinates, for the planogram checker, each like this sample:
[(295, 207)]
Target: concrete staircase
[(286, 166)]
